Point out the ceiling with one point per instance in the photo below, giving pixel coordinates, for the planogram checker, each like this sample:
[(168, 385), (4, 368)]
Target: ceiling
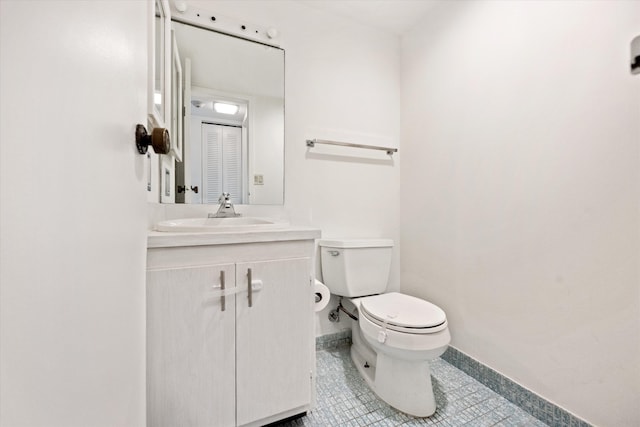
[(396, 16)]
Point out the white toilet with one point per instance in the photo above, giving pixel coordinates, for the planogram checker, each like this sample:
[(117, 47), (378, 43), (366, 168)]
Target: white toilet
[(401, 333)]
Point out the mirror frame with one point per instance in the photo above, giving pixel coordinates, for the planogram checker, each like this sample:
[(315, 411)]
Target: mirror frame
[(159, 118), (177, 101)]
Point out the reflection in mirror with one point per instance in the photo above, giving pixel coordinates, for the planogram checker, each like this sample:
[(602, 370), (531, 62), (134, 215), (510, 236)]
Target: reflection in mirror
[(158, 87), (233, 119), (177, 103)]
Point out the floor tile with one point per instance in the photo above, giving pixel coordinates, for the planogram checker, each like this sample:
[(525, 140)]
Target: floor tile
[(344, 399)]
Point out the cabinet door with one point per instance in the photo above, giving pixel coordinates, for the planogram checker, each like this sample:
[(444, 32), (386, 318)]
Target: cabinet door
[(190, 347), (273, 339)]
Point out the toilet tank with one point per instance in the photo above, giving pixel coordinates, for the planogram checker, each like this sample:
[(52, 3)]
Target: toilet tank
[(355, 267)]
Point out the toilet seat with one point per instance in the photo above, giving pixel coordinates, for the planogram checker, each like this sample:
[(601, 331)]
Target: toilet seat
[(403, 313)]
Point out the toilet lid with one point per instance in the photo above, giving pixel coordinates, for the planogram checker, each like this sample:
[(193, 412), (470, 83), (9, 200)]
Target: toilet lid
[(403, 312)]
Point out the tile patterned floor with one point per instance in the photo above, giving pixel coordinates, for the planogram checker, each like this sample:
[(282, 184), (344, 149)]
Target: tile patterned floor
[(343, 399)]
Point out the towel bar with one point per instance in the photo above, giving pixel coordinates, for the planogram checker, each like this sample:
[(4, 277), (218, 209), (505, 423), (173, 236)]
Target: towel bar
[(313, 142)]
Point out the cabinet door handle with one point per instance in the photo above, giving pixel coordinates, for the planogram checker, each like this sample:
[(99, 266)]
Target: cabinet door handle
[(250, 288), (222, 298)]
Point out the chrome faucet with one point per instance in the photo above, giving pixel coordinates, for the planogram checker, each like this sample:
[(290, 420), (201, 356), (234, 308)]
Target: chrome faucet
[(226, 209)]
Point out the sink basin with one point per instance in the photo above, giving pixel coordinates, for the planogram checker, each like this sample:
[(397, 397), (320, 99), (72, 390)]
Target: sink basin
[(240, 223)]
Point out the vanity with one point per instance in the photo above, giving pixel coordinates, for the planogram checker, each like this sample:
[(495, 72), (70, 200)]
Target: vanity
[(230, 338), (229, 318)]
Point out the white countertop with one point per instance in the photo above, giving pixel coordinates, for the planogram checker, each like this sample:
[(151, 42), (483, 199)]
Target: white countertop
[(160, 239)]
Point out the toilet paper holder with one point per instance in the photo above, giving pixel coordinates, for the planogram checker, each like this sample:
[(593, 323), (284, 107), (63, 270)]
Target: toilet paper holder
[(322, 295)]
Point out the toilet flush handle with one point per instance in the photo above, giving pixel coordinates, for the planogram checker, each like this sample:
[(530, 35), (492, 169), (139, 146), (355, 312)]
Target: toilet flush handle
[(382, 335)]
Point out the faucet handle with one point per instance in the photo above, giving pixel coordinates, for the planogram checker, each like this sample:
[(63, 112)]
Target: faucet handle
[(224, 197)]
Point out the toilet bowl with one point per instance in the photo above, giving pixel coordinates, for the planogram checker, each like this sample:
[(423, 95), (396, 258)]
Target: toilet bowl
[(403, 346), (395, 335)]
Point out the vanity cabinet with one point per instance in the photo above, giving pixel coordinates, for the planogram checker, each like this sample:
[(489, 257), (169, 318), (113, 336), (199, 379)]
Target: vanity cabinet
[(219, 353), (190, 349)]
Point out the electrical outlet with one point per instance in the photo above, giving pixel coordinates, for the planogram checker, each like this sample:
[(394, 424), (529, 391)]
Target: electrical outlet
[(258, 180)]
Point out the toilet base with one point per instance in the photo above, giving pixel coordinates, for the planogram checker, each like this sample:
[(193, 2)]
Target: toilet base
[(404, 385)]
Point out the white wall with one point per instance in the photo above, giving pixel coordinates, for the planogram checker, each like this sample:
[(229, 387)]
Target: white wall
[(72, 213), (520, 193), (342, 81)]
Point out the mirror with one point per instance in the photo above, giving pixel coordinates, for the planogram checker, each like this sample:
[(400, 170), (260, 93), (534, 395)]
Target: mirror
[(233, 128), (157, 89), (177, 103)]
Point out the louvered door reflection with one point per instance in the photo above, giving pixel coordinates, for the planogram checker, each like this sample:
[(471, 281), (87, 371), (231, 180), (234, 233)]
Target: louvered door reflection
[(221, 162)]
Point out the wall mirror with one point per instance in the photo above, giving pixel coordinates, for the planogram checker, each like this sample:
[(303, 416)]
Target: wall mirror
[(160, 24), (177, 103), (233, 127)]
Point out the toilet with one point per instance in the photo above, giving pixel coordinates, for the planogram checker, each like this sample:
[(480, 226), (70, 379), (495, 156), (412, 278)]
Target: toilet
[(395, 335)]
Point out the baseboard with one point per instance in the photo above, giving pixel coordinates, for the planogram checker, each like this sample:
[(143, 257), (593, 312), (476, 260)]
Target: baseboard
[(333, 341), (530, 402)]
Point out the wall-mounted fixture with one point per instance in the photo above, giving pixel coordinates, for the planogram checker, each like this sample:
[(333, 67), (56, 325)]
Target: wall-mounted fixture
[(635, 55), (159, 139), (224, 108), (203, 18), (312, 143)]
